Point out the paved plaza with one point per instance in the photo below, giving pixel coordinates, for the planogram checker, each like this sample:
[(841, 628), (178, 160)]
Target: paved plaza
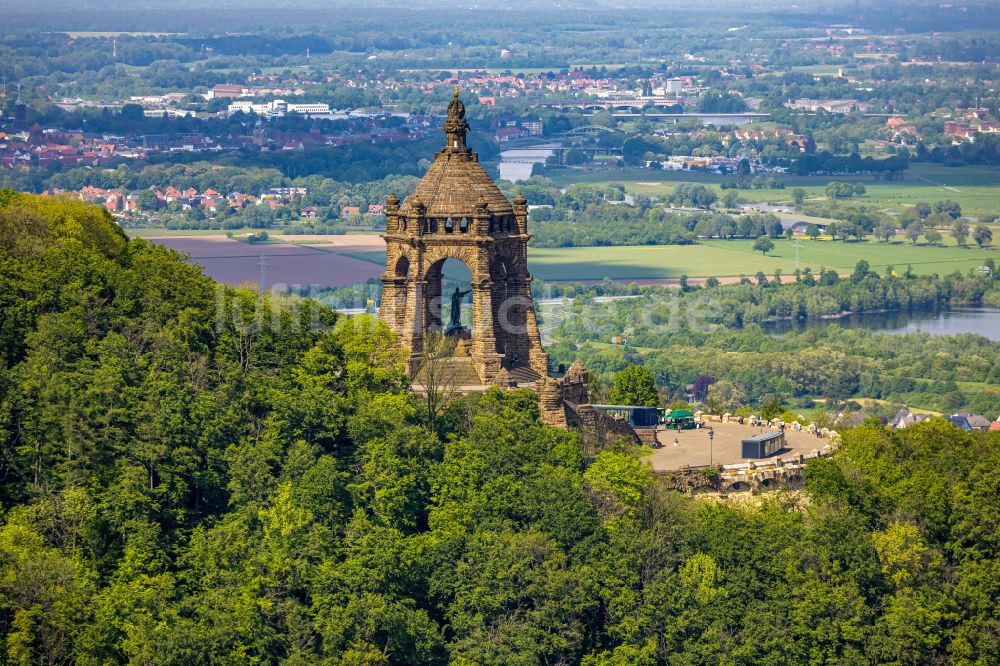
[(692, 447)]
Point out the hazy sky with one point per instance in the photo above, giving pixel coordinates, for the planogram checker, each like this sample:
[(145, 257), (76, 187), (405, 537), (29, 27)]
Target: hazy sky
[(101, 5)]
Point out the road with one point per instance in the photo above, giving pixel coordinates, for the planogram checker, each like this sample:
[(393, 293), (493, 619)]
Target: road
[(553, 317)]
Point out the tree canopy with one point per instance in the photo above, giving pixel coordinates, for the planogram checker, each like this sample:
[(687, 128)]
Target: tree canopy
[(635, 386)]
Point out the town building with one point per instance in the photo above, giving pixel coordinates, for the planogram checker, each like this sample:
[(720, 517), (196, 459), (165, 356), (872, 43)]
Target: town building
[(905, 417), (20, 113), (969, 130), (226, 91), (278, 108), (829, 105), (673, 86), (967, 421), (534, 127)]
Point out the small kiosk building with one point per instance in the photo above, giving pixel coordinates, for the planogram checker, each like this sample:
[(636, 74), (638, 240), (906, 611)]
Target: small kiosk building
[(763, 445)]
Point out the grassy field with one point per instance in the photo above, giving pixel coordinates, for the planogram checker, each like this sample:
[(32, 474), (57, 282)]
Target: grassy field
[(976, 188), (732, 258)]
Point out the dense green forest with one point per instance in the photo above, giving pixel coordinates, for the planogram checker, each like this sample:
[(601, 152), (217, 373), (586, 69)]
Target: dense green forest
[(186, 481)]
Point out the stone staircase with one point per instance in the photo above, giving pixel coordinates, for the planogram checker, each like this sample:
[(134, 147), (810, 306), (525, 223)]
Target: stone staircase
[(523, 375), (459, 371)]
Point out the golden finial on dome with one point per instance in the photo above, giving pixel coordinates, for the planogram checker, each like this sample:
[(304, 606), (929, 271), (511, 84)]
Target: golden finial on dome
[(456, 109)]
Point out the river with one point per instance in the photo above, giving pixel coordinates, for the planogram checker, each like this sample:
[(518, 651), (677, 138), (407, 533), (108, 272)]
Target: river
[(981, 321), (516, 163)]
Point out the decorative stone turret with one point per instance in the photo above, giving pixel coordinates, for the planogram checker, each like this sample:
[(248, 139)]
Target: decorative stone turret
[(392, 214), (577, 373), (521, 213), (575, 384), (416, 221), (551, 403)]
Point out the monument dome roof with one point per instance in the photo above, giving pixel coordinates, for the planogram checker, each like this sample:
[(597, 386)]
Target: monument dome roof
[(456, 182)]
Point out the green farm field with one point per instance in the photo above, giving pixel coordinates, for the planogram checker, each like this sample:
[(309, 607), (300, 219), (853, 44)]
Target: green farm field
[(720, 258), (975, 188)]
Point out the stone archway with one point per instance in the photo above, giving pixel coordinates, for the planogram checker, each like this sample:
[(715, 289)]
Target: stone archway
[(738, 487), (438, 299)]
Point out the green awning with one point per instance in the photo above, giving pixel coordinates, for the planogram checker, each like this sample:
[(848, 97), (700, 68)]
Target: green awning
[(680, 414)]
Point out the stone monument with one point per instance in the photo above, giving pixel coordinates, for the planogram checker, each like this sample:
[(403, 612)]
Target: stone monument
[(458, 212)]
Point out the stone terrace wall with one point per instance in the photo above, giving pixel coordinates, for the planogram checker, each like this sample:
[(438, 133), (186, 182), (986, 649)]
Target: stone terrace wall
[(604, 426)]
